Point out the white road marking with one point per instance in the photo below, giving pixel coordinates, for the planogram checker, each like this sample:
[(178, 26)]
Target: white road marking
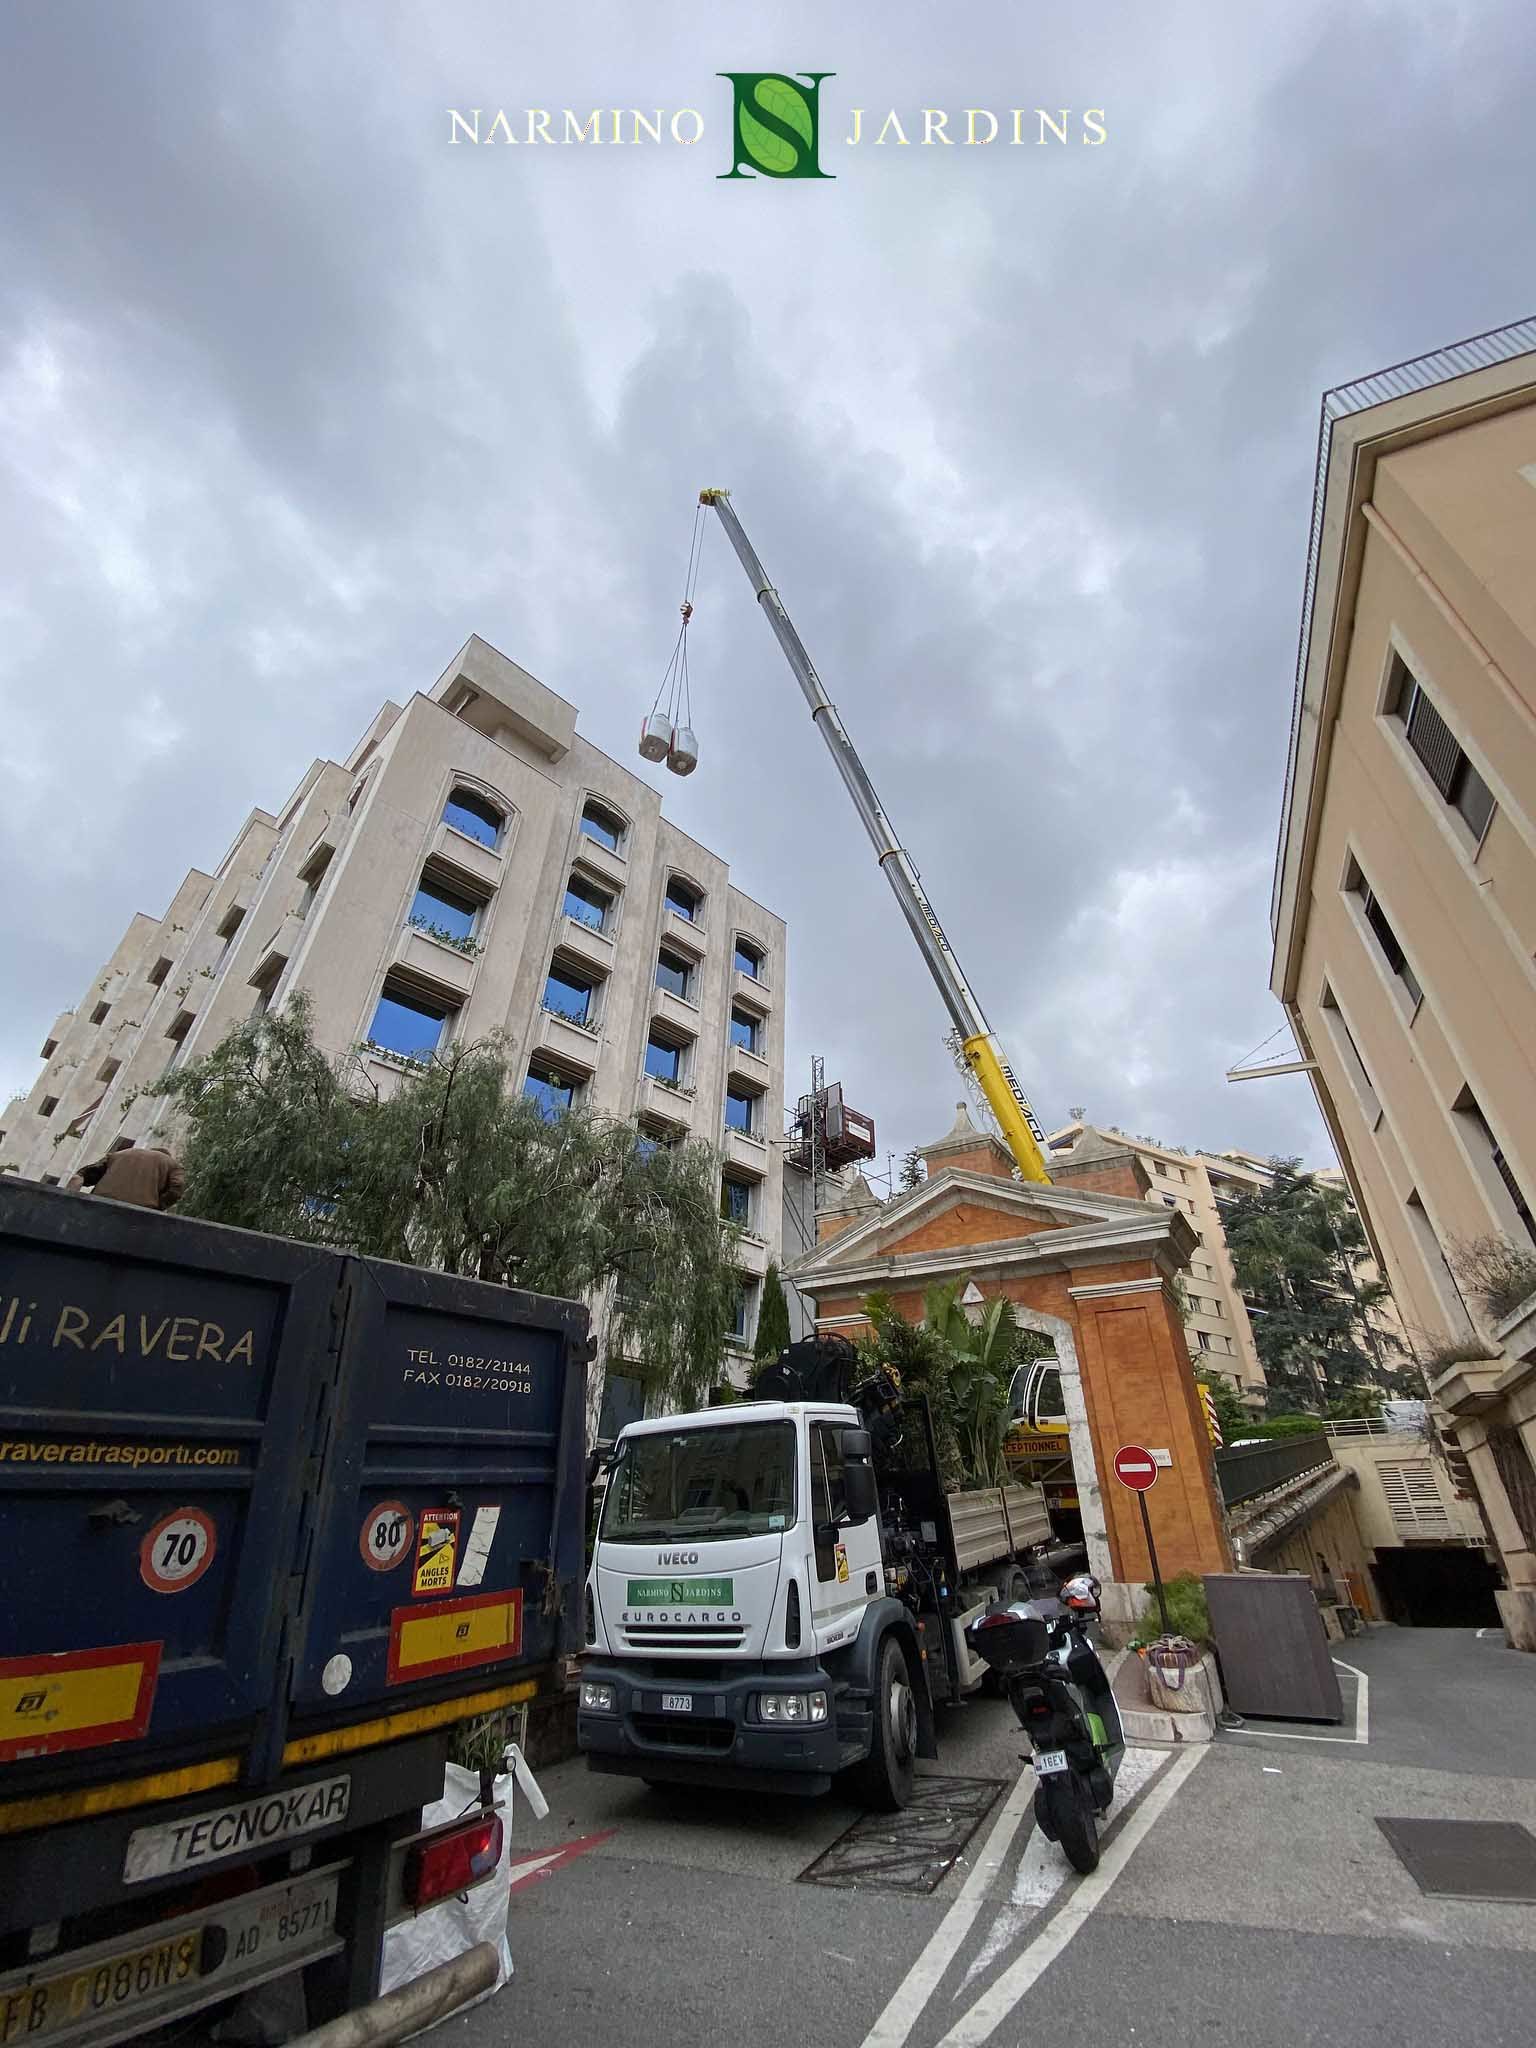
[(1362, 1717), (920, 1982), (995, 2004), (1043, 1869)]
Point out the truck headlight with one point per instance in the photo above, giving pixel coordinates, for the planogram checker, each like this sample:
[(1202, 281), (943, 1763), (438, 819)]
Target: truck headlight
[(792, 1706), (595, 1698)]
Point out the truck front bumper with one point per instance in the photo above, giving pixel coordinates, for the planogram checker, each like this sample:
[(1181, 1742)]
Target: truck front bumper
[(721, 1738)]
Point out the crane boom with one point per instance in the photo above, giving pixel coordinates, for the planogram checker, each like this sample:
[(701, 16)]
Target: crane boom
[(979, 1048)]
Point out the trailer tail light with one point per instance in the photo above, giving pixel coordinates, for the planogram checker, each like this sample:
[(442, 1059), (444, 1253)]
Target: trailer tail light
[(451, 1863), (792, 1617)]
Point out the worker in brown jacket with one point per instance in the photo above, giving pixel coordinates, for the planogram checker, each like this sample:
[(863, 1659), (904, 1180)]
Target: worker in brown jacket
[(146, 1175)]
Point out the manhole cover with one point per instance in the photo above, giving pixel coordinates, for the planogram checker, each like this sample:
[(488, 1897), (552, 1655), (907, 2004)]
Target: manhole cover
[(1467, 1859), (908, 1851)]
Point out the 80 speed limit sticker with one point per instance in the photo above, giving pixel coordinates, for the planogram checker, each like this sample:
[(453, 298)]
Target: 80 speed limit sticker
[(387, 1536), (177, 1551)]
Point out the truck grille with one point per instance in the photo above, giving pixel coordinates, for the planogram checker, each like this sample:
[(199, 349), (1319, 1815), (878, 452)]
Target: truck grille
[(727, 1636), (666, 1732)]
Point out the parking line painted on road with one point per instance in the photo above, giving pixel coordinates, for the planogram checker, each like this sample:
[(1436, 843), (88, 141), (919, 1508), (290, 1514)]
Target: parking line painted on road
[(994, 2005), (1362, 1717), (920, 1982)]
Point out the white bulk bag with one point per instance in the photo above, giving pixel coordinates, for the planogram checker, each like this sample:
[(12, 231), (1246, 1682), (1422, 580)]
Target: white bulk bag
[(455, 1925)]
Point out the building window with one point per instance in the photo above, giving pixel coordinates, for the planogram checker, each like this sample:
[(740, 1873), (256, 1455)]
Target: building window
[(1487, 1147), (475, 816), (588, 904), (48, 1105), (674, 974), (741, 1321), (442, 913), (746, 1030), (1172, 1201), (736, 1201), (1386, 938), (1202, 1341), (1437, 1267), (651, 1141), (603, 825), (99, 1014), (1439, 754), (157, 973), (740, 1110), (683, 898), (749, 960), (550, 1090), (569, 994), (407, 1025), (664, 1062), (1349, 1053)]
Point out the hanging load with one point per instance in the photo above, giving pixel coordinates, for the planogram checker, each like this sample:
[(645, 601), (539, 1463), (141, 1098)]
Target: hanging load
[(667, 734), (656, 737)]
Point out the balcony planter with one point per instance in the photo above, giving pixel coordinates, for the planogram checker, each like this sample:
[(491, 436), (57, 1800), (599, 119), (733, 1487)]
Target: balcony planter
[(568, 1043), (675, 1010), (444, 968), (666, 1104), (278, 951), (742, 1149), (467, 858)]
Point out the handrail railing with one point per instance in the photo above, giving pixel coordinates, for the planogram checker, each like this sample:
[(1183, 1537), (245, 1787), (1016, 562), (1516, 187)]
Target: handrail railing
[(1252, 1469)]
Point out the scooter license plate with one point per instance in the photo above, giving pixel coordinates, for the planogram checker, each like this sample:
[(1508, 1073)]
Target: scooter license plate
[(1049, 1761)]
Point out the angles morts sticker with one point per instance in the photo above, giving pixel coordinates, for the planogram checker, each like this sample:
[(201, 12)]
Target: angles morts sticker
[(437, 1549)]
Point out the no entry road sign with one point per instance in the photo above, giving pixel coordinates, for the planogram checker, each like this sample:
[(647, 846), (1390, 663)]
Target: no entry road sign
[(1135, 1468)]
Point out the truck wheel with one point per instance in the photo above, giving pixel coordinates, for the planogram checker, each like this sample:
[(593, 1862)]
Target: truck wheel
[(1069, 1805), (885, 1780)]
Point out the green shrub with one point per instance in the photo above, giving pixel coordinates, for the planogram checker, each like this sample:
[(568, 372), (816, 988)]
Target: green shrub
[(1188, 1614)]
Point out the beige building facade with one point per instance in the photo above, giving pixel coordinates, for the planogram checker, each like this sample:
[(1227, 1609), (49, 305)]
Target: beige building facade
[(1404, 911), (475, 865), (1216, 1324)]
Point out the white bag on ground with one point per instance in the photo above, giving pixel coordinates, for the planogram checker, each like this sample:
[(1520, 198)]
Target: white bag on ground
[(455, 1925)]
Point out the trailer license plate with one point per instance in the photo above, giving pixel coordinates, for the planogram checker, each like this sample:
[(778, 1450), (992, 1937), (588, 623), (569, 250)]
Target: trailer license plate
[(1049, 1761), (110, 1986), (677, 1703), (177, 1973)]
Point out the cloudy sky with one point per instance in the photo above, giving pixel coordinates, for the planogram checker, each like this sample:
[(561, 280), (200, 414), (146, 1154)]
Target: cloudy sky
[(294, 396)]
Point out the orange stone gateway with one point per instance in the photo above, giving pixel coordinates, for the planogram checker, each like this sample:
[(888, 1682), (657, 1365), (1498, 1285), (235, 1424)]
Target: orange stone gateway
[(1089, 1262)]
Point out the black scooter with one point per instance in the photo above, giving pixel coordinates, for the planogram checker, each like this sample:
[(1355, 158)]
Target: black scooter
[(1058, 1688)]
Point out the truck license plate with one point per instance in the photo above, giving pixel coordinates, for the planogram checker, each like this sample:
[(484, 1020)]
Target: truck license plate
[(677, 1703)]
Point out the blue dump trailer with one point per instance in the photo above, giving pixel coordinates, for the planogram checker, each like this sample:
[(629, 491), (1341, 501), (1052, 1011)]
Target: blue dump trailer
[(273, 1519)]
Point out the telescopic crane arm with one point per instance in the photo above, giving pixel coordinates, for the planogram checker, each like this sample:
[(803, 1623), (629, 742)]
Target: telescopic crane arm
[(980, 1050)]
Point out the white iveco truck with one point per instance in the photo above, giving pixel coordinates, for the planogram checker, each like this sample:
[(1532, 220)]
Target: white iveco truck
[(779, 1593)]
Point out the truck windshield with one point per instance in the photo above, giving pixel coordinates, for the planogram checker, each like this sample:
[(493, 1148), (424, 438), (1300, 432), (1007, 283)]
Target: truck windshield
[(702, 1485)]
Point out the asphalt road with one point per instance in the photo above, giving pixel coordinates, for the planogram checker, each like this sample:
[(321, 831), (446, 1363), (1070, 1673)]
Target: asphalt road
[(1246, 1892)]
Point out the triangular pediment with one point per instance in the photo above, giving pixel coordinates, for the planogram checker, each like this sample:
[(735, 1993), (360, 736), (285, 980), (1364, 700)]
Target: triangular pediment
[(979, 1208)]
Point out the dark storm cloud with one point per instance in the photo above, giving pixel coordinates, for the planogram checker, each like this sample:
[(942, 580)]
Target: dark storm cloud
[(293, 397)]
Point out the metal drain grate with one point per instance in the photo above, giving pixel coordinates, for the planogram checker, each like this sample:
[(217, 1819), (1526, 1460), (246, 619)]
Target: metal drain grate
[(1467, 1859), (912, 1850)]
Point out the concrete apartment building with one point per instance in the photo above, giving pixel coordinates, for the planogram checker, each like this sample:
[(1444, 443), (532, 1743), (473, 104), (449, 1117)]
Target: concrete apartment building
[(1216, 1328), (474, 865), (1404, 912)]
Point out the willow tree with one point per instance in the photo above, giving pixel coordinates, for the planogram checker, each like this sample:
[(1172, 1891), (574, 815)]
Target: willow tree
[(457, 1169)]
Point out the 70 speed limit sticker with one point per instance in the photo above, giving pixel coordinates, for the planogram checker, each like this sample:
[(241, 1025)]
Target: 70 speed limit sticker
[(387, 1535), (177, 1551)]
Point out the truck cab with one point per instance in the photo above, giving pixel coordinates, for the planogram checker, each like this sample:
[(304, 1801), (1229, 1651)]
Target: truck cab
[(773, 1601)]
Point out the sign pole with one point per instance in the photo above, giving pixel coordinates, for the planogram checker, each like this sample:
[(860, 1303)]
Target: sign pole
[(1157, 1577)]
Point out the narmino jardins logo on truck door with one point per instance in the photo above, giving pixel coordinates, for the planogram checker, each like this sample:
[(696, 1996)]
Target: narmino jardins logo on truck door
[(776, 124)]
